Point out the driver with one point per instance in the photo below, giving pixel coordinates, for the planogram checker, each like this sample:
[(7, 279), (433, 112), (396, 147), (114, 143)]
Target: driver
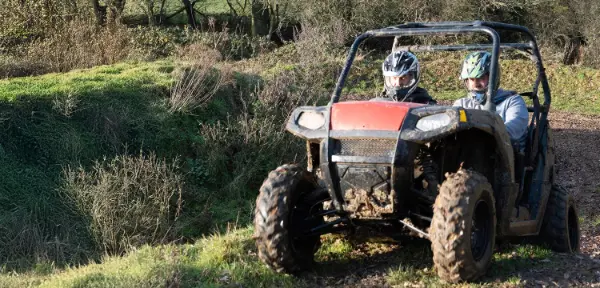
[(509, 105), (401, 73)]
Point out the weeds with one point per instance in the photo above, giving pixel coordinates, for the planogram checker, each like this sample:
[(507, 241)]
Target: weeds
[(197, 83), (66, 106), (130, 201), (232, 46), (595, 222), (80, 46)]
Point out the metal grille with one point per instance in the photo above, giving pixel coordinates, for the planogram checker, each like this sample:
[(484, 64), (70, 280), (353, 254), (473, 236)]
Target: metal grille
[(366, 147)]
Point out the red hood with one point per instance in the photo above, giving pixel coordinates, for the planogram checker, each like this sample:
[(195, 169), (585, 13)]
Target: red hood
[(369, 115)]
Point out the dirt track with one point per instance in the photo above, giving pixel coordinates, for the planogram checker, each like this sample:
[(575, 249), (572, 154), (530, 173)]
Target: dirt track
[(578, 160)]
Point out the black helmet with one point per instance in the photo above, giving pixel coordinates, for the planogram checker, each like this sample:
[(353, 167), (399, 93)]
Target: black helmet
[(400, 65)]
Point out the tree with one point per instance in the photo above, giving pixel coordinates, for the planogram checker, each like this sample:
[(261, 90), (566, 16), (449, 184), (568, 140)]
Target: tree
[(267, 14), (189, 10), (149, 8), (109, 13)]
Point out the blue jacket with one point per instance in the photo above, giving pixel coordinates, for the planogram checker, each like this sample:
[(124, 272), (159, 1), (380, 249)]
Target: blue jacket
[(513, 110)]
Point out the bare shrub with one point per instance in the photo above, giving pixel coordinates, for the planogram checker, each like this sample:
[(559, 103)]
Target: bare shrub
[(591, 31), (26, 239), (253, 141), (197, 79), (15, 66), (198, 53), (80, 45), (231, 45), (66, 105), (130, 201)]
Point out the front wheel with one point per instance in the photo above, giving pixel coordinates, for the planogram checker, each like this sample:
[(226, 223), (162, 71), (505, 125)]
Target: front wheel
[(463, 228), (283, 213)]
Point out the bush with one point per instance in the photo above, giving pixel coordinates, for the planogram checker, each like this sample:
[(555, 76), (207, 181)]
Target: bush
[(232, 46), (79, 45), (197, 81), (237, 154), (150, 43), (12, 66), (129, 201)]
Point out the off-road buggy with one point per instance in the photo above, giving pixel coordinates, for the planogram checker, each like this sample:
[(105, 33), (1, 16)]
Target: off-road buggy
[(447, 174)]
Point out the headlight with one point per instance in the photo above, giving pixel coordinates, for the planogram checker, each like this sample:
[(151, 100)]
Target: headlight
[(311, 120), (433, 122)]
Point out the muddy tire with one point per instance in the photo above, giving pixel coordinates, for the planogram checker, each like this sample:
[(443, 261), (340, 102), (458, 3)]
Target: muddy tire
[(285, 201), (463, 228), (560, 229)]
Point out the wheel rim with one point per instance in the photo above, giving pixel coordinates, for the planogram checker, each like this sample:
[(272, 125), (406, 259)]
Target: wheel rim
[(480, 230), (299, 212), (573, 229)]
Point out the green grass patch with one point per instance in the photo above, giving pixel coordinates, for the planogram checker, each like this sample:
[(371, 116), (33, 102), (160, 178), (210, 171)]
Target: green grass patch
[(55, 121), (334, 248), (120, 80), (520, 258), (596, 221), (505, 265), (214, 261), (230, 259)]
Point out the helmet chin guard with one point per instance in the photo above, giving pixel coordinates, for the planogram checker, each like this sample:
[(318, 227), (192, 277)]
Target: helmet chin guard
[(400, 64)]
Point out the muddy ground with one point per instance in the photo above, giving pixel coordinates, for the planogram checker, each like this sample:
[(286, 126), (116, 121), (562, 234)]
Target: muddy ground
[(578, 161)]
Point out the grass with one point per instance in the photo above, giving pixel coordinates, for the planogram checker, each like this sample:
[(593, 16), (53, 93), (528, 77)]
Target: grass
[(230, 259), (39, 139), (506, 264), (214, 261), (54, 121), (75, 118), (90, 82), (596, 221), (334, 249)]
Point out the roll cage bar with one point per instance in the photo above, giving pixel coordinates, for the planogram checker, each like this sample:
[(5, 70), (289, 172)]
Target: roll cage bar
[(431, 28)]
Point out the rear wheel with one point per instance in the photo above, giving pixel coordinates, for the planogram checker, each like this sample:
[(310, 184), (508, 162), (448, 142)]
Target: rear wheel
[(560, 229), (463, 228), (287, 199)]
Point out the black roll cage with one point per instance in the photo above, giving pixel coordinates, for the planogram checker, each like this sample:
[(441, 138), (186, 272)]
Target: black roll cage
[(489, 28)]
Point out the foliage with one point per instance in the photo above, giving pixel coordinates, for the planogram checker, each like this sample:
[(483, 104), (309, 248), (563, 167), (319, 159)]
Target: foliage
[(130, 201)]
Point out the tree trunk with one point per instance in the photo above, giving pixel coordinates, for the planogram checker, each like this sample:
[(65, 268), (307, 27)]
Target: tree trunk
[(255, 11), (161, 13), (99, 12), (150, 12), (273, 18), (115, 11), (189, 10), (572, 51)]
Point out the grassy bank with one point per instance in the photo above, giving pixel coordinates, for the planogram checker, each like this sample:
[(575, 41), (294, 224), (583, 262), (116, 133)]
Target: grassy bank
[(230, 260), (57, 123), (59, 131)]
